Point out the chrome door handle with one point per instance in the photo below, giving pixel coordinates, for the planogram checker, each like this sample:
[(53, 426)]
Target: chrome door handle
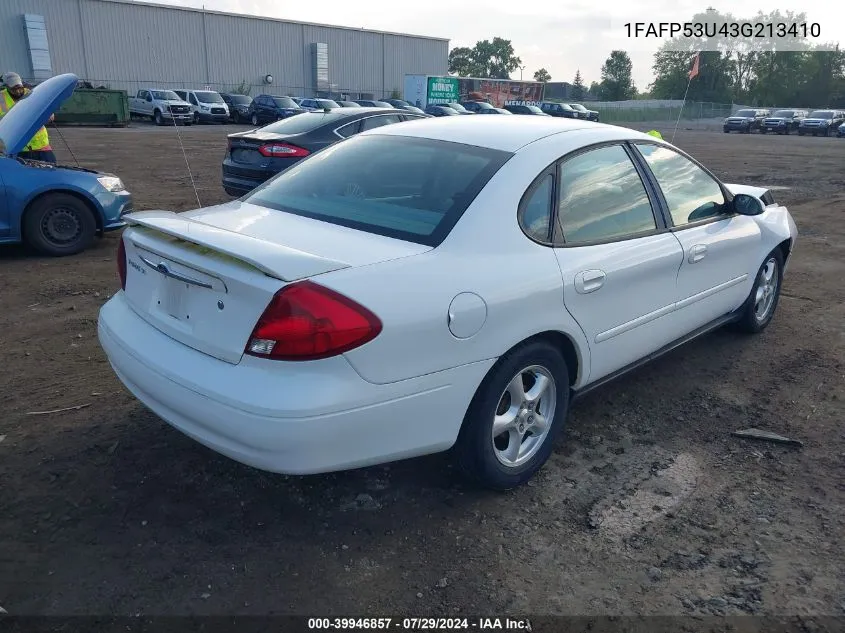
[(697, 253), (588, 281)]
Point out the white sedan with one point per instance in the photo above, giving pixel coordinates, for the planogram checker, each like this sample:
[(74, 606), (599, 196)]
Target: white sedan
[(446, 283)]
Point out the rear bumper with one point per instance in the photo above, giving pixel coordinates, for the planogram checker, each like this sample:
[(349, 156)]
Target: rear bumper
[(293, 418), (243, 179)]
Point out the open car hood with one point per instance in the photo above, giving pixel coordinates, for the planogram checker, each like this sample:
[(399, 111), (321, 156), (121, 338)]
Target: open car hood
[(22, 122)]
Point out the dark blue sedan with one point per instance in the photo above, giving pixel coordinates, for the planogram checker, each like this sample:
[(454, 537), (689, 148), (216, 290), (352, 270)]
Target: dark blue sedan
[(56, 209)]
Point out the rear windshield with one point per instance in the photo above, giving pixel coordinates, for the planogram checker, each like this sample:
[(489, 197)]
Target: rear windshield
[(821, 114), (408, 188), (456, 106), (327, 103), (285, 102), (304, 122)]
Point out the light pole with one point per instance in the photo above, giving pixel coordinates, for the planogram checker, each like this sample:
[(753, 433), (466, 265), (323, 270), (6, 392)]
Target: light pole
[(521, 68)]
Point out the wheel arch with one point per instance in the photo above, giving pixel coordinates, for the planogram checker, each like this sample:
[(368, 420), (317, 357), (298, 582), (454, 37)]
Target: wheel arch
[(81, 196), (561, 341)]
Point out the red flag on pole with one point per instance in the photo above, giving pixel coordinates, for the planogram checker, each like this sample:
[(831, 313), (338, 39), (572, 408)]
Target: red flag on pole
[(694, 71)]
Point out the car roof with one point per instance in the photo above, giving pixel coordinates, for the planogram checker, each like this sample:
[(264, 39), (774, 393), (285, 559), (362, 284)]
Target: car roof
[(339, 115), (507, 134)]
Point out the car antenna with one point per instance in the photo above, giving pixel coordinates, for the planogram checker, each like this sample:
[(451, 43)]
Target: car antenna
[(185, 155), (181, 145), (64, 140)]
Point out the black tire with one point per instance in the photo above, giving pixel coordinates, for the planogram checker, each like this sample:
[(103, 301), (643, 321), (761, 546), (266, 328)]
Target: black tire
[(197, 118), (800, 133), (254, 120), (59, 224), (475, 452), (726, 131), (750, 321), (157, 118), (236, 117), (762, 130)]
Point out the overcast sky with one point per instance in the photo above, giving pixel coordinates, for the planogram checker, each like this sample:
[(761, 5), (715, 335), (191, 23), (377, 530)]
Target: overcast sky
[(561, 36)]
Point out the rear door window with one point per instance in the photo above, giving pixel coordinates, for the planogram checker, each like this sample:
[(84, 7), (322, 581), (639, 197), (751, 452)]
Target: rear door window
[(377, 121), (602, 197), (409, 188)]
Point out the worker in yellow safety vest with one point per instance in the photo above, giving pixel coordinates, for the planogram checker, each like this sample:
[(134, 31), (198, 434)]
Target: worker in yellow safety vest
[(39, 147)]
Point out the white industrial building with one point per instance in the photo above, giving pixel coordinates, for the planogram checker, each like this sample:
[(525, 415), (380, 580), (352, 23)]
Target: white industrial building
[(124, 45)]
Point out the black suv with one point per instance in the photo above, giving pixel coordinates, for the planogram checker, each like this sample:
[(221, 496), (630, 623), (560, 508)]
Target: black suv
[(590, 115), (824, 122), (783, 121), (745, 121), (268, 108), (238, 105), (559, 109)]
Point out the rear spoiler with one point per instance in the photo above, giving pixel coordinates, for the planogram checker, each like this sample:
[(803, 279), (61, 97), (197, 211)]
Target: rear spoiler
[(275, 260)]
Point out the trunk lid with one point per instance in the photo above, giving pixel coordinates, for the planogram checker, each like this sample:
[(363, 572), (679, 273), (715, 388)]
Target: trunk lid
[(205, 277)]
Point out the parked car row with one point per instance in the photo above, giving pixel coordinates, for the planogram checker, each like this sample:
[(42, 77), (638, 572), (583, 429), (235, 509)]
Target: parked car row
[(546, 108), (817, 122), (299, 127)]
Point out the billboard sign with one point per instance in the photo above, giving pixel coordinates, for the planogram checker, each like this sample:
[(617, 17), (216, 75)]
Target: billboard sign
[(443, 90), (502, 92)]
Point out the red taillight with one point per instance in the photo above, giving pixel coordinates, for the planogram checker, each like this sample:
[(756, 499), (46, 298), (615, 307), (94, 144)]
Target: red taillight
[(282, 150), (305, 321), (121, 263)]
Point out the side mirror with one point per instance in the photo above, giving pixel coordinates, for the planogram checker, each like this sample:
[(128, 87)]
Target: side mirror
[(747, 205)]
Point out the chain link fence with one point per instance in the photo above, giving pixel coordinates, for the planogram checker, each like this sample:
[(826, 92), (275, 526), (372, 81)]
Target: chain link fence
[(690, 111)]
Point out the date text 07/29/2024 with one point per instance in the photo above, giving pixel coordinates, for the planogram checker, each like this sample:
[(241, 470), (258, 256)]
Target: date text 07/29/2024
[(795, 30), (419, 624)]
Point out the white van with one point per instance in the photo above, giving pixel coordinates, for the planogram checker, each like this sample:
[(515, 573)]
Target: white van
[(208, 106)]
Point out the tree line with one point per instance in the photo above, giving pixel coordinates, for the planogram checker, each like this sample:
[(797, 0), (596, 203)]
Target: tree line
[(739, 70)]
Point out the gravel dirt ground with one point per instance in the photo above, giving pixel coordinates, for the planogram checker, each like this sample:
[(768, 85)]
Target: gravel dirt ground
[(648, 506)]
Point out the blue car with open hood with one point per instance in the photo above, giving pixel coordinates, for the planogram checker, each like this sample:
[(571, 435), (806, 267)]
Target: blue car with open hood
[(56, 209)]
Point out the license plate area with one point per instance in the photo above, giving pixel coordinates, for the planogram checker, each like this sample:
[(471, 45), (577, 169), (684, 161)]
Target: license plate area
[(181, 293), (173, 295)]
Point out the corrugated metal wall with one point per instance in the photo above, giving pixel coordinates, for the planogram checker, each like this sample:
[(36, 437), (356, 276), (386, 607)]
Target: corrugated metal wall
[(123, 46)]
